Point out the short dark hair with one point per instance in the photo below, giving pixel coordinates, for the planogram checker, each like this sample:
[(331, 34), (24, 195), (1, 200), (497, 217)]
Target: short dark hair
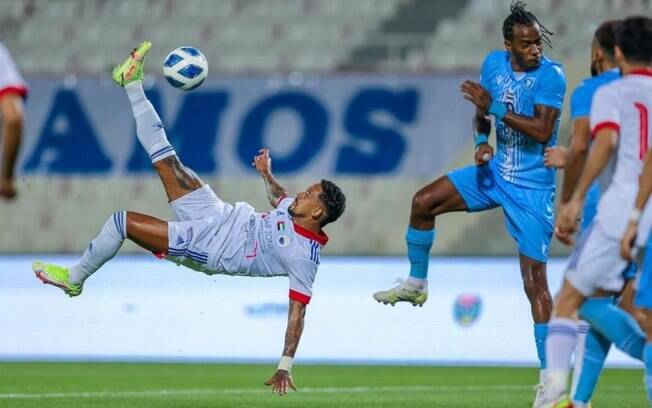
[(519, 15), (605, 35), (634, 37), (334, 201)]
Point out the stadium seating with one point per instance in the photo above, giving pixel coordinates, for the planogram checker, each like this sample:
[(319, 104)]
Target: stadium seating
[(250, 36), (236, 36)]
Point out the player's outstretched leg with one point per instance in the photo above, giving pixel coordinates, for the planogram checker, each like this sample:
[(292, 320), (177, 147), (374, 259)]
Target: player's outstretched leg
[(148, 232), (436, 198), (177, 179)]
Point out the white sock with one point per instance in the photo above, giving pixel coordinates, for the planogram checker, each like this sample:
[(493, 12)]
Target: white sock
[(582, 329), (102, 248), (149, 127), (417, 283), (560, 343)]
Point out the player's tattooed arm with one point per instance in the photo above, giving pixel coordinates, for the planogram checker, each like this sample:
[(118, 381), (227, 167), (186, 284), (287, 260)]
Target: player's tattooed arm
[(539, 127), (263, 164), (282, 380), (296, 315)]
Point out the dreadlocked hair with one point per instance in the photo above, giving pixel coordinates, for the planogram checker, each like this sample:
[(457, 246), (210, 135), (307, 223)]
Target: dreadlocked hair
[(519, 15)]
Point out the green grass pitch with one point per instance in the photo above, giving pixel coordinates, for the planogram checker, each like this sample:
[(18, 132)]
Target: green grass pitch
[(220, 385)]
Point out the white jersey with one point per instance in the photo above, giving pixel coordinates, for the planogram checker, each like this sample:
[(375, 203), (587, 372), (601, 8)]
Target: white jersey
[(625, 106), (237, 240), (10, 78)]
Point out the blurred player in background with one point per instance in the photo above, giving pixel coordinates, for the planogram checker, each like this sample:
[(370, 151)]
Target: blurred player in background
[(12, 92), (620, 123), (644, 291), (592, 347), (524, 92), (212, 236)]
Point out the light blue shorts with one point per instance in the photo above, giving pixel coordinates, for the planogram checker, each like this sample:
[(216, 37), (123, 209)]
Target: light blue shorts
[(643, 296), (528, 212)]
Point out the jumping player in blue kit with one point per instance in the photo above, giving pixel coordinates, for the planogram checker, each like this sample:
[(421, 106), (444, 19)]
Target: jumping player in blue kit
[(524, 92)]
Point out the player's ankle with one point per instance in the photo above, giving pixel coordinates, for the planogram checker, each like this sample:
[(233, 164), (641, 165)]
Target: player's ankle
[(417, 283)]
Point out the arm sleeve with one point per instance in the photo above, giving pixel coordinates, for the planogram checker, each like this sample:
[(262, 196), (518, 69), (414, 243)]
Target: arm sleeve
[(284, 202), (580, 104), (10, 79), (604, 110), (552, 87), (485, 72), (302, 274)]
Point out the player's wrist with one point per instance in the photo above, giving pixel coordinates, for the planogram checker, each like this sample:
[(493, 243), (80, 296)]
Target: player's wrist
[(635, 216), (480, 138), (498, 109), (285, 363)]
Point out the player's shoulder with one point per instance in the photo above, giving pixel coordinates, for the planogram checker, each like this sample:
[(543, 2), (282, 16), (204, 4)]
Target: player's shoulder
[(495, 58), (552, 70)]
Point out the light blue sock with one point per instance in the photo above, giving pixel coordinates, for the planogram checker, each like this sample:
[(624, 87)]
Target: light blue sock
[(648, 370), (419, 243), (596, 348), (540, 334), (615, 324)]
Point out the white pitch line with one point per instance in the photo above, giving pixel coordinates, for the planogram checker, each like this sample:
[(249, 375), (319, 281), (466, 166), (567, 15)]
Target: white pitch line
[(306, 390)]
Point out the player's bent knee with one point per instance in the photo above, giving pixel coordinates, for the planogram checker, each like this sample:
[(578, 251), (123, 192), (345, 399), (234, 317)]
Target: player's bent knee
[(423, 203)]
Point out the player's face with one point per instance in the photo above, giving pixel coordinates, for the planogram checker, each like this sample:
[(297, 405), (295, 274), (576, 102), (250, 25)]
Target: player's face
[(526, 46), (307, 203)]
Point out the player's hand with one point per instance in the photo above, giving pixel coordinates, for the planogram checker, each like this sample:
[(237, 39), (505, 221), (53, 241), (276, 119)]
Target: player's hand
[(555, 156), (474, 92), (568, 221), (7, 189), (280, 382), (262, 162), (483, 153), (627, 243)]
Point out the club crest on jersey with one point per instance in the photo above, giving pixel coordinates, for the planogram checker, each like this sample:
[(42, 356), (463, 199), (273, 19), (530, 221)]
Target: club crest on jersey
[(528, 83), (283, 241)]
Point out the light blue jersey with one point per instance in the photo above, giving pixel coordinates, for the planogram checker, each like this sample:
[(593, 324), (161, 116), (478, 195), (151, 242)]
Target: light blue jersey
[(580, 106), (519, 158)]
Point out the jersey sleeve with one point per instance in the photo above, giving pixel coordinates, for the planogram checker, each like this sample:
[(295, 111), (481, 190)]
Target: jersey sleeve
[(604, 110), (485, 71), (580, 103), (552, 87), (284, 202), (10, 79), (302, 274)]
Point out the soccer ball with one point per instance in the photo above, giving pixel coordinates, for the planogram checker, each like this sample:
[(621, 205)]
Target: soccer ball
[(185, 68)]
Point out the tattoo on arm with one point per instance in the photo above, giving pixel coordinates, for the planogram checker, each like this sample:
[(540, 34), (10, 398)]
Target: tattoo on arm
[(296, 316), (274, 189)]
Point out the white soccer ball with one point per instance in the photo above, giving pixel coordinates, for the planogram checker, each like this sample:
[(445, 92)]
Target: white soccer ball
[(185, 68)]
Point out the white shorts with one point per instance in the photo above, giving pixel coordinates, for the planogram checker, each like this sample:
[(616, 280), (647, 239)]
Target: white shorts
[(198, 217), (595, 263)]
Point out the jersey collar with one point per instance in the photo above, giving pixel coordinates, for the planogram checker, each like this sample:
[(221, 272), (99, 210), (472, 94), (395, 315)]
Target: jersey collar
[(321, 238), (642, 71)]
